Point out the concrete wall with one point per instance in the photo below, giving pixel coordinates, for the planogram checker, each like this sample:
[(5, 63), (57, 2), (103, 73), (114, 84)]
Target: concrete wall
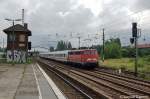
[(19, 56)]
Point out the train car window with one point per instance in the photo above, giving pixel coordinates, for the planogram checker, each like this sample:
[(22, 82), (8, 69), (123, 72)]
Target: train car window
[(61, 55), (78, 52), (87, 52), (81, 52), (70, 53), (73, 53)]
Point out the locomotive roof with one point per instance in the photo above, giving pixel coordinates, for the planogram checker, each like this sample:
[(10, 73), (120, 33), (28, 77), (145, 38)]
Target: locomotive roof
[(66, 51), (60, 52), (82, 50)]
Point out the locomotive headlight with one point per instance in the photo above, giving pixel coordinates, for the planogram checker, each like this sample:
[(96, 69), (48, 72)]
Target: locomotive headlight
[(94, 59), (91, 59)]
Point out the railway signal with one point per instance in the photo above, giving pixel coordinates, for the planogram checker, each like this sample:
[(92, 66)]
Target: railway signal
[(134, 29), (29, 45), (131, 40), (136, 33), (103, 57)]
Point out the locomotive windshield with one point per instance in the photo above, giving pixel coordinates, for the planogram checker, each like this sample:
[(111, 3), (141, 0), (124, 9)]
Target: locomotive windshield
[(90, 52), (85, 52)]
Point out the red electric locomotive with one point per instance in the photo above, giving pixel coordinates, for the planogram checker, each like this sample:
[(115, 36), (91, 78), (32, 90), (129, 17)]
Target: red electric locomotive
[(85, 57)]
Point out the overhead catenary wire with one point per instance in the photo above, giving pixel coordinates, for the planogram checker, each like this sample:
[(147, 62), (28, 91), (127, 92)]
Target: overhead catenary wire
[(114, 21)]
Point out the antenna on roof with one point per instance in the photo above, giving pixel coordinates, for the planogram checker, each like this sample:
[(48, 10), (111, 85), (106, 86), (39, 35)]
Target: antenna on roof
[(22, 16)]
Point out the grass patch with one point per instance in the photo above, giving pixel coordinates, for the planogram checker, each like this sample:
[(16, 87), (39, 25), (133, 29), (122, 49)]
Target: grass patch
[(128, 64), (125, 63)]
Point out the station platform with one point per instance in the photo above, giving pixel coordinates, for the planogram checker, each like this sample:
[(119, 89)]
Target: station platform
[(27, 82)]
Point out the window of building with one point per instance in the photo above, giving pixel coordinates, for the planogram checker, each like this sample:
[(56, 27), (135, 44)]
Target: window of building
[(11, 37), (22, 38)]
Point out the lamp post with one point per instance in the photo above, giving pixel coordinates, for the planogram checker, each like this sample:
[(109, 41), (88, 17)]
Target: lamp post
[(13, 37)]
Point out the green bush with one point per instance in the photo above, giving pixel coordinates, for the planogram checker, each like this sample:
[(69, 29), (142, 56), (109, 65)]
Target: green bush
[(3, 56), (131, 60), (148, 58), (113, 48), (140, 64), (127, 51)]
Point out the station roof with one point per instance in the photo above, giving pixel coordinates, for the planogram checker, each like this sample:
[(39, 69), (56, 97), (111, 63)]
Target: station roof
[(17, 28)]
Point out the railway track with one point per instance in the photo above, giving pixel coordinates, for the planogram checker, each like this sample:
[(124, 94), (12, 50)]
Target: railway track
[(137, 86), (122, 75), (125, 78), (107, 85), (78, 94)]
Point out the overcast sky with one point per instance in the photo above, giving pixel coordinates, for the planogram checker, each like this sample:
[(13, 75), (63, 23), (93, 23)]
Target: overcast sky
[(53, 20)]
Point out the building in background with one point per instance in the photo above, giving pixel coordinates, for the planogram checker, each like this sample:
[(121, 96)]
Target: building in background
[(17, 43)]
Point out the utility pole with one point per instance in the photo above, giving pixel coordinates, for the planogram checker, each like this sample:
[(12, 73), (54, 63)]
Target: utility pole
[(79, 41), (103, 57), (88, 40), (136, 56), (3, 45), (79, 37), (22, 16), (27, 42), (13, 47), (136, 33)]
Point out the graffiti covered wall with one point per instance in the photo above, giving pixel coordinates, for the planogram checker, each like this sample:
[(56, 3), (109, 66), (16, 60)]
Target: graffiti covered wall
[(19, 56)]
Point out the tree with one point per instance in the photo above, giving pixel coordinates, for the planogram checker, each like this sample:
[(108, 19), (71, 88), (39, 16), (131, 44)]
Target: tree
[(128, 51), (98, 48), (58, 46), (113, 48), (61, 45), (51, 49), (69, 46)]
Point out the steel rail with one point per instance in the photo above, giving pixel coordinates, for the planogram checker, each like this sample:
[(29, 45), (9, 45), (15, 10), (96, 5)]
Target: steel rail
[(106, 85), (119, 83), (68, 82), (126, 78), (114, 76)]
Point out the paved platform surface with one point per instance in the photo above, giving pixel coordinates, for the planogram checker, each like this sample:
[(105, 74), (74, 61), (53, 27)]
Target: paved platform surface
[(10, 78), (25, 82)]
